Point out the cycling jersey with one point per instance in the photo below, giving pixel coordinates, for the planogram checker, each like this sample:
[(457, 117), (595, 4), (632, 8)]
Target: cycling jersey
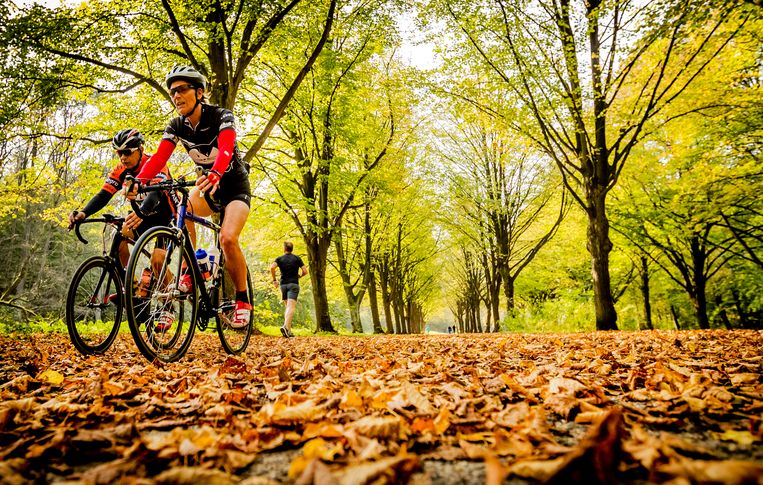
[(159, 212), (202, 144)]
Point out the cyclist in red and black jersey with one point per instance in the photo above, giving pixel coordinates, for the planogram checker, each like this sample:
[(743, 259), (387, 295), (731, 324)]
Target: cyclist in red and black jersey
[(208, 134), (128, 145)]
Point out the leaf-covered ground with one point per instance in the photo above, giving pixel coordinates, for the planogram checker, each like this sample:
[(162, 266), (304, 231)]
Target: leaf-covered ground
[(629, 407)]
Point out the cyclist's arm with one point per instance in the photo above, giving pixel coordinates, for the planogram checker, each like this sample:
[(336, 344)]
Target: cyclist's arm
[(157, 161), (226, 142), (97, 203)]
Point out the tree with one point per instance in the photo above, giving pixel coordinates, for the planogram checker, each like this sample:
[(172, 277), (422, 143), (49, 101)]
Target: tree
[(578, 69), (337, 132), (115, 47)]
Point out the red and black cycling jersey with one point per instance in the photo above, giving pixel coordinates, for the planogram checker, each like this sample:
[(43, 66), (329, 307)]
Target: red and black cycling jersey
[(116, 178), (162, 208), (202, 142)]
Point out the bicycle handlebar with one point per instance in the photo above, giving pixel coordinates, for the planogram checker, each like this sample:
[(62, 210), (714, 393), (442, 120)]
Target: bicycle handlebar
[(174, 184), (106, 218), (161, 186)]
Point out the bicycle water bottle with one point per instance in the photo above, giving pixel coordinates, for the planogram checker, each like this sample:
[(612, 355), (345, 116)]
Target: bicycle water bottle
[(214, 260), (203, 260)]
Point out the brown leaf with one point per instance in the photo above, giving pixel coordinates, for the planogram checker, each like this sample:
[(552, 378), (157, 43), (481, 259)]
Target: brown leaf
[(494, 471), (377, 427), (316, 473), (596, 458), (391, 470), (729, 472), (194, 476)]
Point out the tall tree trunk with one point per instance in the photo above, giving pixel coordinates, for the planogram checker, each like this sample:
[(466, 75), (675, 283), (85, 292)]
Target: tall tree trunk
[(508, 291), (496, 304), (645, 292), (353, 300), (357, 325), (722, 313), (317, 253), (374, 304), (599, 246), (744, 322), (699, 296), (674, 314), (386, 303)]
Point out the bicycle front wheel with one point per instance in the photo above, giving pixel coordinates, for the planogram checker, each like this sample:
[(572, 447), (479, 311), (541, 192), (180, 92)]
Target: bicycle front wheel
[(94, 306), (234, 340), (160, 313)]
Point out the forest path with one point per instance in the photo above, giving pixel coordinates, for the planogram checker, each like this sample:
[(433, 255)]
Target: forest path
[(627, 406)]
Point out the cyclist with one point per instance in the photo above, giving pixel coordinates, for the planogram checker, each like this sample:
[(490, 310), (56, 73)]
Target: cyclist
[(208, 134), (128, 146)]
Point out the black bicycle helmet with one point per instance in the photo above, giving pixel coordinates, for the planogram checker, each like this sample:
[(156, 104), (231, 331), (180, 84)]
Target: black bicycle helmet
[(127, 138), (186, 73)]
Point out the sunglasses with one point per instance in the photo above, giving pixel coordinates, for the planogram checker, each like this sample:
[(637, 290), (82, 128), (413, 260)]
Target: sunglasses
[(180, 89), (126, 152)]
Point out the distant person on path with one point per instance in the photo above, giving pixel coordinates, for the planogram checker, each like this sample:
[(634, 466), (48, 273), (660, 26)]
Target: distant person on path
[(292, 269)]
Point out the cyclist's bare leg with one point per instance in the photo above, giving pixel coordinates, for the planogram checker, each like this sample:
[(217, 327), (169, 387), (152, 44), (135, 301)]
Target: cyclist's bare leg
[(236, 213), (124, 253), (157, 260)]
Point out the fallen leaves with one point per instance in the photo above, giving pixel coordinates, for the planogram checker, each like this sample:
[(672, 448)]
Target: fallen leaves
[(601, 407)]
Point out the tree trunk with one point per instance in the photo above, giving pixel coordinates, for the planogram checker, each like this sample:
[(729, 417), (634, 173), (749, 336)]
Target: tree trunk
[(508, 291), (387, 306), (674, 314), (357, 325), (744, 322), (599, 246), (699, 302), (699, 298), (496, 304), (374, 304), (353, 299), (722, 313), (318, 254), (645, 292)]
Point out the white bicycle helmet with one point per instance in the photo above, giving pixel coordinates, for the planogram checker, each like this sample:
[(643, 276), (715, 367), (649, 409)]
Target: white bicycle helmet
[(186, 73)]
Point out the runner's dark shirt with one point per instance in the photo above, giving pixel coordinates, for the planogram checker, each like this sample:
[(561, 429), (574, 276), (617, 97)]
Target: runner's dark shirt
[(289, 265)]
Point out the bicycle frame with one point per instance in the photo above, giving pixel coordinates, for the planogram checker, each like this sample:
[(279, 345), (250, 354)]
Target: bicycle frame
[(207, 309)]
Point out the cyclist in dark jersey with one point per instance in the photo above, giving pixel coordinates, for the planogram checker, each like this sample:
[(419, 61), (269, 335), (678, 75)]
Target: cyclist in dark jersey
[(128, 145), (208, 134)]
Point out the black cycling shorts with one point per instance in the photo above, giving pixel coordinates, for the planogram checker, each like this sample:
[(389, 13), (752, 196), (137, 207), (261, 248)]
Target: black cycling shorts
[(234, 185)]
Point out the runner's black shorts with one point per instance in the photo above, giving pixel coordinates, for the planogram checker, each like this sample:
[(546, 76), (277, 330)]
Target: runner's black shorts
[(289, 291)]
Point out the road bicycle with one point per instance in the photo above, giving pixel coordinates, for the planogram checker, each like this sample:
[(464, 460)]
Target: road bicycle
[(173, 315), (95, 301)]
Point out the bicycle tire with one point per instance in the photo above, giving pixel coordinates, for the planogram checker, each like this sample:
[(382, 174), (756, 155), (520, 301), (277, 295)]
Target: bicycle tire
[(234, 340), (95, 291), (148, 300)]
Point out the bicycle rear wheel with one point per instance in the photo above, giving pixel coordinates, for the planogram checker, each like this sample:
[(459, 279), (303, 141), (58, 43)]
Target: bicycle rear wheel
[(160, 316), (234, 340), (94, 306)]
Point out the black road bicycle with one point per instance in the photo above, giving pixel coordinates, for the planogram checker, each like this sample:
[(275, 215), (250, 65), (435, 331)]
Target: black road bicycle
[(96, 298), (173, 315)]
